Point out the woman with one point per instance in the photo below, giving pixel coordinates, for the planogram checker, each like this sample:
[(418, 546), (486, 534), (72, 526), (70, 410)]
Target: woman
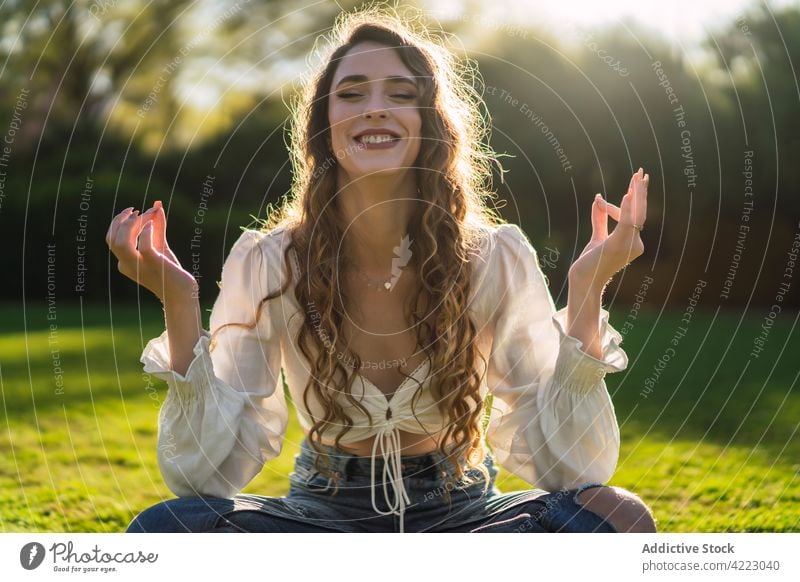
[(395, 302)]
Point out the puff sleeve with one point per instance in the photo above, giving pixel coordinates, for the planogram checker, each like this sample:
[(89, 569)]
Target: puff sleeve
[(552, 421), (227, 416)]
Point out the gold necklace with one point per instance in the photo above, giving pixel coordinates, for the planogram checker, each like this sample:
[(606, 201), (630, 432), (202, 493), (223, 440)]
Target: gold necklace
[(402, 255), (379, 284)]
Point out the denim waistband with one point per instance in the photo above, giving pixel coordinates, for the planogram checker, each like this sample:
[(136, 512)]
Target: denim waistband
[(433, 464)]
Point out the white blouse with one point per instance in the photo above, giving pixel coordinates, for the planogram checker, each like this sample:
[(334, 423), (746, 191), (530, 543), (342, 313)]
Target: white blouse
[(552, 421)]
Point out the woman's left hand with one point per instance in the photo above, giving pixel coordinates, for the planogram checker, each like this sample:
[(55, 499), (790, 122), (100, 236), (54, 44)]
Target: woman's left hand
[(606, 254)]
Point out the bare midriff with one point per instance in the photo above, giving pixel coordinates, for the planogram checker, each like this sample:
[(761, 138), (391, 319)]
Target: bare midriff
[(411, 445)]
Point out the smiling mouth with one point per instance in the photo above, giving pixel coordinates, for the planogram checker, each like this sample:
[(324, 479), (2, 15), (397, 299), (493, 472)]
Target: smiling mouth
[(373, 138)]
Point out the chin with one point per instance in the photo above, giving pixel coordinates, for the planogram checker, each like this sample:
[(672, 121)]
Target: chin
[(367, 170)]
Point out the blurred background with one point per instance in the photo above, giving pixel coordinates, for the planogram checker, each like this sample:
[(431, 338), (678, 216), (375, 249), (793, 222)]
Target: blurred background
[(107, 104)]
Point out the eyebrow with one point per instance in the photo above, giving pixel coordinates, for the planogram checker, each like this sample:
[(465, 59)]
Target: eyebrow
[(363, 79)]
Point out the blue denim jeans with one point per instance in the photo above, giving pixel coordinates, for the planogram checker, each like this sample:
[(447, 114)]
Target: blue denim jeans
[(313, 505)]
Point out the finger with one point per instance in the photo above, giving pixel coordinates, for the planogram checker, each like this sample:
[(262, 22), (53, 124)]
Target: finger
[(639, 210), (599, 220), (159, 227), (637, 175), (146, 247), (611, 209), (625, 208), (112, 228), (630, 184), (117, 225), (160, 233), (127, 232)]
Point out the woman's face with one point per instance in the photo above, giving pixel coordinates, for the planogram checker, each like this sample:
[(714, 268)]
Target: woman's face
[(373, 112)]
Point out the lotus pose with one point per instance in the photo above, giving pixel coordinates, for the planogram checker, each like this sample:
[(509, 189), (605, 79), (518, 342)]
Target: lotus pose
[(395, 303)]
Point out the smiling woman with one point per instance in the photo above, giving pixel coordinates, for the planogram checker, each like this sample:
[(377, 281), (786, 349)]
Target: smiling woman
[(387, 253), (357, 111)]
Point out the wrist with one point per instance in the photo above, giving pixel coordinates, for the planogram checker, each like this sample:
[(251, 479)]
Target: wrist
[(183, 314), (181, 302), (188, 292), (586, 283)]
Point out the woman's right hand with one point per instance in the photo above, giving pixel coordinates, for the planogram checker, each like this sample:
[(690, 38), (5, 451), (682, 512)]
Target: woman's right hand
[(152, 265)]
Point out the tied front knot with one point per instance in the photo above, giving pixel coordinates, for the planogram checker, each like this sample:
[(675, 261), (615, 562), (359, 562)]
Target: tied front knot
[(389, 439)]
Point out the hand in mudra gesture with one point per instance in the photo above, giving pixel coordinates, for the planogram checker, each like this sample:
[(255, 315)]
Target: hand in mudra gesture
[(607, 254), (140, 244)]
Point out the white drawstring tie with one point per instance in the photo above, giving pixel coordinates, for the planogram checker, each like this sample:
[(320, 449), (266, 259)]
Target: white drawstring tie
[(389, 439)]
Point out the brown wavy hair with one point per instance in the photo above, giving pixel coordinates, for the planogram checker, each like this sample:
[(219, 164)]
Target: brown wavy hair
[(453, 171)]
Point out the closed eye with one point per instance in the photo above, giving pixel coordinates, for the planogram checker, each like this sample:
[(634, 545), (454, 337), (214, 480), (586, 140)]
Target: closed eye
[(350, 94)]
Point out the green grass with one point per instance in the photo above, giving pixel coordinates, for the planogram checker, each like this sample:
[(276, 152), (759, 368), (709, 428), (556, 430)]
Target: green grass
[(713, 448)]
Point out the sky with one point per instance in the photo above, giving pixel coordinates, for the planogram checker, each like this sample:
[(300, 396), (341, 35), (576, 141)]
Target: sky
[(684, 22)]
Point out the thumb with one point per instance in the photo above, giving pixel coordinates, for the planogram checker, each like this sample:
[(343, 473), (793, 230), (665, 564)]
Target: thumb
[(599, 219), (611, 209), (146, 240), (160, 226), (160, 233)]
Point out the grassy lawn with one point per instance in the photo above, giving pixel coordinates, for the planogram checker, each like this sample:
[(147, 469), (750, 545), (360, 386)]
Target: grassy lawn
[(712, 448)]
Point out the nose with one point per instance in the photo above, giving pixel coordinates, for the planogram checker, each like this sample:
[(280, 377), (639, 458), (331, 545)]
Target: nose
[(369, 113), (375, 108)]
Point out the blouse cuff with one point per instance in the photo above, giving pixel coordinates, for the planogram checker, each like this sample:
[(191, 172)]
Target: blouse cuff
[(579, 371), (156, 360)]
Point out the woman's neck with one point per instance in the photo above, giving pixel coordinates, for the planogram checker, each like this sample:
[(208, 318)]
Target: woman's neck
[(375, 213)]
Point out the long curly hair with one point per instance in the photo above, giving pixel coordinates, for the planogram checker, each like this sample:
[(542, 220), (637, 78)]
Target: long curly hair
[(453, 172)]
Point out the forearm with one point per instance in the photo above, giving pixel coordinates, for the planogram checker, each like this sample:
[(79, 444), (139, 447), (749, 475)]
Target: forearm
[(584, 301), (184, 326)]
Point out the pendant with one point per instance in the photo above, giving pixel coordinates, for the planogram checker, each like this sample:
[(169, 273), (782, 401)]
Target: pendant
[(387, 285)]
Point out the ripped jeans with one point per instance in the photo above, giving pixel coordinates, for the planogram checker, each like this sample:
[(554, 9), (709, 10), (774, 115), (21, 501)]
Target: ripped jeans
[(312, 506)]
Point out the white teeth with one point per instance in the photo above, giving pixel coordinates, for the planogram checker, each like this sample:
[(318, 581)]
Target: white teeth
[(376, 138)]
